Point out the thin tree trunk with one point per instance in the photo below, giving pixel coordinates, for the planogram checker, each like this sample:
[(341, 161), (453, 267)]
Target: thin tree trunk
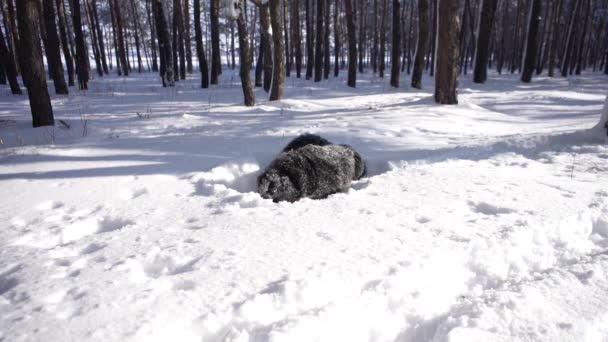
[(309, 41), (53, 54), (362, 27), (529, 61), (375, 49), (267, 44), (122, 52), (164, 44), (570, 39), (93, 35), (216, 63), (232, 50), (352, 44), (278, 63), (423, 33), (326, 52), (484, 29), (6, 60), (187, 36), (135, 18), (336, 39), (30, 52), (67, 55), (14, 36), (81, 52), (104, 62), (296, 35), (579, 62), (446, 79), (382, 58), (245, 62), (153, 35), (200, 51), (396, 45), (319, 41)]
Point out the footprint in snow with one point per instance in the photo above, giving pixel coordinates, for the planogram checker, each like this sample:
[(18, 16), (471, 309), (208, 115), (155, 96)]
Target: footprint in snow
[(489, 209)]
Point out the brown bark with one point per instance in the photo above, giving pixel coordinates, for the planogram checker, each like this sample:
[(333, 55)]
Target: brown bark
[(216, 63), (31, 54), (120, 40), (396, 45), (187, 36), (164, 44), (352, 44), (104, 61), (245, 62), (200, 51), (278, 70), (81, 51), (423, 32), (7, 61), (482, 52), (446, 79), (52, 48)]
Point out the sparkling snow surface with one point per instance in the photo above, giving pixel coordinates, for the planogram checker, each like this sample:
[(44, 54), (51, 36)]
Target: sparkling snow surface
[(485, 221)]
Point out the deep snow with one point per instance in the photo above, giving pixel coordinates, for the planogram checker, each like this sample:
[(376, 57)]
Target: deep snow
[(486, 221)]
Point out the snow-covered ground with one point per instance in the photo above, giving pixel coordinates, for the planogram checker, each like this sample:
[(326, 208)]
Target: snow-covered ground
[(486, 221)]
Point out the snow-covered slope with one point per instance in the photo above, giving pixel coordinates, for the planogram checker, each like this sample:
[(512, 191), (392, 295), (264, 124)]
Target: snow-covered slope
[(486, 221)]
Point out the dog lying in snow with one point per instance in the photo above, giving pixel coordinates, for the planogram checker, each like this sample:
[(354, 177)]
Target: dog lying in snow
[(310, 166)]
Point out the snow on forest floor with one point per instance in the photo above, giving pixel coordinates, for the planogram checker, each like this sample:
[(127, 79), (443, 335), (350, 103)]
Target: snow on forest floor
[(485, 221)]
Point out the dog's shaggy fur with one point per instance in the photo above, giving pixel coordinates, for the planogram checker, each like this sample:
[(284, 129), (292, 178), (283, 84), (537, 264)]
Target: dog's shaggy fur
[(312, 167)]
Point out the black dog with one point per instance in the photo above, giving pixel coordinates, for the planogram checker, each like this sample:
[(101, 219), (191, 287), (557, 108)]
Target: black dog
[(310, 166)]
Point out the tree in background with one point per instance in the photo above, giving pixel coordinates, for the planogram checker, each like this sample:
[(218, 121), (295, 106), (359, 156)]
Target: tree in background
[(216, 63), (423, 33), (278, 62), (235, 12), (482, 51), (200, 51), (352, 44), (319, 41), (396, 44), (7, 61), (531, 44), (53, 55)]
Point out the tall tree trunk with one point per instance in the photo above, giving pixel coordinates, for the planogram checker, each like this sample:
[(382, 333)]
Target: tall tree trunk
[(529, 61), (446, 79), (336, 39), (284, 11), (187, 36), (484, 29), (52, 47), (216, 63), (104, 61), (423, 37), (396, 45), (309, 41), (153, 35), (120, 40), (362, 27), (267, 45), (67, 55), (326, 54), (135, 19), (245, 61), (114, 39), (93, 35), (30, 52), (232, 49), (200, 51), (296, 35), (319, 41), (6, 61), (567, 55), (375, 50), (579, 59), (81, 51), (14, 36), (178, 37), (352, 44), (383, 39), (164, 44), (278, 63)]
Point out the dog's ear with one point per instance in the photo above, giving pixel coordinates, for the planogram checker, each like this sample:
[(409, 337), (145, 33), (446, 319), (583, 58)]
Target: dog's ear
[(360, 167)]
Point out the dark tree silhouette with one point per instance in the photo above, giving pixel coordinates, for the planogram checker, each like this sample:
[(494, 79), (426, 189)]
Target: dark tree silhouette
[(482, 51), (446, 78), (352, 44), (423, 33), (531, 41), (200, 51)]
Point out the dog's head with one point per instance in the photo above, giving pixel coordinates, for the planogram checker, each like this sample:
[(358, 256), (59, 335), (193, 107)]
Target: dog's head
[(277, 187)]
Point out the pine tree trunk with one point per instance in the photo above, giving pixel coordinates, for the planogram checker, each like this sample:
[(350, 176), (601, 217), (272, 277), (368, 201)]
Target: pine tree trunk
[(396, 45), (259, 65), (529, 61), (352, 44), (187, 36), (120, 40), (14, 36), (482, 52), (284, 11), (244, 61), (216, 63), (267, 45), (200, 51), (6, 60), (579, 62), (232, 48), (382, 56), (67, 55), (31, 54), (93, 35), (326, 53), (309, 41), (446, 79), (81, 51), (421, 46), (179, 36), (135, 19), (164, 44), (296, 36), (567, 55), (362, 27), (319, 41), (375, 49), (153, 35), (557, 10), (52, 47), (336, 39), (278, 70)]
